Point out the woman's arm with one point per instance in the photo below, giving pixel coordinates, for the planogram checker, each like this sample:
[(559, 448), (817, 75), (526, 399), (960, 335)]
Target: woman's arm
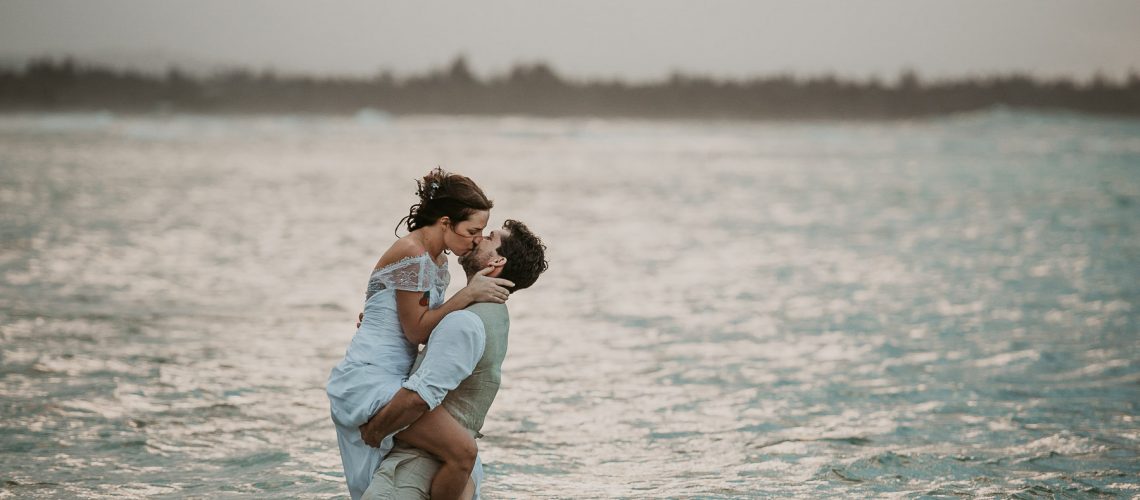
[(418, 321)]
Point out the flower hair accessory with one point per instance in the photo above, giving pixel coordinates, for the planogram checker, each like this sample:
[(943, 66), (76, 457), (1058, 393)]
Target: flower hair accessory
[(434, 187)]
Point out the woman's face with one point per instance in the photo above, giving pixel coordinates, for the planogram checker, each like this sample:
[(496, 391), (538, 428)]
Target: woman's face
[(462, 237)]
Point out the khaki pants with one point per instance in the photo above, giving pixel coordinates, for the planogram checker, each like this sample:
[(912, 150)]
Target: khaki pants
[(406, 474)]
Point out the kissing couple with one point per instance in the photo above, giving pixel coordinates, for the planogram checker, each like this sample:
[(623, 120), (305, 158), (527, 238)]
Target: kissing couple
[(406, 422)]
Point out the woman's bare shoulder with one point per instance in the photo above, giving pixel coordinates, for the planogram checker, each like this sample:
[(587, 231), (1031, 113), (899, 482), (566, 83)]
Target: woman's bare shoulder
[(403, 248)]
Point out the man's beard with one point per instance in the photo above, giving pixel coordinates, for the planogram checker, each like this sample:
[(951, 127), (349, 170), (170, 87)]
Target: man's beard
[(471, 262)]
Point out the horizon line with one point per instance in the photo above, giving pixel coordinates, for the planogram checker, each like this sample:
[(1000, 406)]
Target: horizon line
[(218, 69)]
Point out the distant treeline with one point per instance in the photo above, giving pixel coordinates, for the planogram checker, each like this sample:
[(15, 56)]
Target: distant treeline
[(535, 89)]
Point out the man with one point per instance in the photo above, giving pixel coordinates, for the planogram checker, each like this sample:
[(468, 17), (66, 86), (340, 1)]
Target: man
[(464, 373)]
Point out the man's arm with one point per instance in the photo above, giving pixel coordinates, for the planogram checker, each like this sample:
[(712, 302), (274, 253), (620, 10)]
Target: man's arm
[(406, 407), (452, 352)]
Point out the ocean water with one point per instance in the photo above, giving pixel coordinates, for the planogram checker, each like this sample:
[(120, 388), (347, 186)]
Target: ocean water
[(944, 307)]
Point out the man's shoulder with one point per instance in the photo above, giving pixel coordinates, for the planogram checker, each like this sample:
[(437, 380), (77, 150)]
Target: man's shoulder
[(488, 309), (495, 316)]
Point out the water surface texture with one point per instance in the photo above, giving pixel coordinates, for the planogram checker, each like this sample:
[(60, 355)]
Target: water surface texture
[(943, 307)]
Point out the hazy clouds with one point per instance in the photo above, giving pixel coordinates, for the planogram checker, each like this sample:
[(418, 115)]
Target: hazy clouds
[(632, 39)]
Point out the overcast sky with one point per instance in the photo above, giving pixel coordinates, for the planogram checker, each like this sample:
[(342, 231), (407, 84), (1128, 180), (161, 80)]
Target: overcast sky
[(632, 39)]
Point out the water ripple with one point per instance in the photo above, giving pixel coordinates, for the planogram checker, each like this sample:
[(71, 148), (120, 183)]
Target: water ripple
[(926, 308)]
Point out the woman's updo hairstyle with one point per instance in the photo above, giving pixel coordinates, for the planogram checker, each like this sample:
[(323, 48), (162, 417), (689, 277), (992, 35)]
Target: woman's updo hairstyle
[(444, 194)]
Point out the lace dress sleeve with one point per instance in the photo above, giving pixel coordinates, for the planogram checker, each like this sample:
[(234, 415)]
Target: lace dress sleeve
[(412, 274)]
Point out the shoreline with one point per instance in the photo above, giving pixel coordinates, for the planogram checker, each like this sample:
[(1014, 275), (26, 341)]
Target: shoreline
[(379, 116)]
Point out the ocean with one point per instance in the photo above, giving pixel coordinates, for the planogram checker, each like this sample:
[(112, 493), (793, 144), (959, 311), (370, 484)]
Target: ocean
[(923, 308)]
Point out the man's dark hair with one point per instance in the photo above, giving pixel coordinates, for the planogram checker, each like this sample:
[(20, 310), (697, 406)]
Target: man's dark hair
[(525, 253)]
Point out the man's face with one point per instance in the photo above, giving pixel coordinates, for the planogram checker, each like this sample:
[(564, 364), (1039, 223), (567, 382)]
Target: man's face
[(484, 253)]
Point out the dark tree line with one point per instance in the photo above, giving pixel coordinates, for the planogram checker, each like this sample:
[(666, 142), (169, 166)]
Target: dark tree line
[(535, 89)]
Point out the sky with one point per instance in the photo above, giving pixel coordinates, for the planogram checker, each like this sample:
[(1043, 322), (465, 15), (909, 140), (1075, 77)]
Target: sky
[(627, 39)]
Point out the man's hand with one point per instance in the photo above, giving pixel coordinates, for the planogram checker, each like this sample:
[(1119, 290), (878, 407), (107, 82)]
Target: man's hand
[(368, 432), (406, 406), (484, 289)]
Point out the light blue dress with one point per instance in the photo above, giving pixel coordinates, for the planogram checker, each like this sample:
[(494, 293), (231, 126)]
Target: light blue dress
[(377, 362)]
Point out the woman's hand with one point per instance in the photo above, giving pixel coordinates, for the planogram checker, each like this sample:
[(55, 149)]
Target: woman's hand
[(484, 289)]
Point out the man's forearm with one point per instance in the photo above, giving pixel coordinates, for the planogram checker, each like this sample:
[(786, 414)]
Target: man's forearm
[(406, 406)]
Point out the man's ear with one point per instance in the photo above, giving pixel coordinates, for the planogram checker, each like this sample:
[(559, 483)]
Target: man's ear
[(498, 262)]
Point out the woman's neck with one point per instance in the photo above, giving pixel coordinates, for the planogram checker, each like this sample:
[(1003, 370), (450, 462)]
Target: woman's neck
[(431, 238)]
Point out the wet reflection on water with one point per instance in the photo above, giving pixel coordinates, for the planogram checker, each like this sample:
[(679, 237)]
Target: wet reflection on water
[(943, 307)]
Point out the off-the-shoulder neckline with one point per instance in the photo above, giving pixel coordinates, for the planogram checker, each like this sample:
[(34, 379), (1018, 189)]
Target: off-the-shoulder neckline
[(408, 259)]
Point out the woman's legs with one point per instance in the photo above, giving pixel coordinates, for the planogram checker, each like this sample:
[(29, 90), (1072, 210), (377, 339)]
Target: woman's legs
[(438, 433)]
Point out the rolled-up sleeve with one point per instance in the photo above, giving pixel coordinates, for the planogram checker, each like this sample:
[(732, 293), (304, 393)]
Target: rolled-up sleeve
[(453, 349)]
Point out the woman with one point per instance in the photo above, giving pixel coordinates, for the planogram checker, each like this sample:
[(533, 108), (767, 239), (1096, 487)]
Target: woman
[(403, 303)]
